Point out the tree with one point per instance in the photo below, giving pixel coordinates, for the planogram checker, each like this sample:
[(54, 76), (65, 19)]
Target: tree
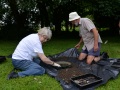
[(106, 14), (19, 18)]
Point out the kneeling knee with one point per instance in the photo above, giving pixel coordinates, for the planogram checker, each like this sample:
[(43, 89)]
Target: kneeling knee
[(89, 62), (40, 71)]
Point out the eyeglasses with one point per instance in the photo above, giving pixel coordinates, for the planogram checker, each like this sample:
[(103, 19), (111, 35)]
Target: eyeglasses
[(45, 38)]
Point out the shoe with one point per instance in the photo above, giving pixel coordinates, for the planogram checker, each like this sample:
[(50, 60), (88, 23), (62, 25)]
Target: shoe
[(104, 55), (12, 75)]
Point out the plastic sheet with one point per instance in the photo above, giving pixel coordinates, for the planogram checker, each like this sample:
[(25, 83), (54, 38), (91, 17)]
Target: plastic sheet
[(102, 69), (2, 59)]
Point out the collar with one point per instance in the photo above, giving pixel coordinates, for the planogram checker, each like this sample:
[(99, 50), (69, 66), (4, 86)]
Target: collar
[(80, 21)]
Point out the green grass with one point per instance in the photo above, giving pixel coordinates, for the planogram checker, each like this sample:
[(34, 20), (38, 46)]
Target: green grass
[(46, 82)]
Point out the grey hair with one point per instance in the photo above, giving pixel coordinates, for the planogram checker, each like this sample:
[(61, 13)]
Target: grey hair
[(45, 31)]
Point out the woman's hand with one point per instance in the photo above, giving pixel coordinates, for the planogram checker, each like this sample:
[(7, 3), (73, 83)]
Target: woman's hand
[(56, 65)]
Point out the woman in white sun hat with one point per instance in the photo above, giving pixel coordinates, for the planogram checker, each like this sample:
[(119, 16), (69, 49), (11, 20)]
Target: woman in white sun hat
[(89, 35)]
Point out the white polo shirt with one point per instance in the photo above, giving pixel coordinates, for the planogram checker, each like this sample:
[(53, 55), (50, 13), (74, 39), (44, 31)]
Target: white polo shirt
[(28, 48), (86, 25)]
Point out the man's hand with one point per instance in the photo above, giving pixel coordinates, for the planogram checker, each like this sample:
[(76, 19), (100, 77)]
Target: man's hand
[(77, 46), (96, 48), (56, 65)]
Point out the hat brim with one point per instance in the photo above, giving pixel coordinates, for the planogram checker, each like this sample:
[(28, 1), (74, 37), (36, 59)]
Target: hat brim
[(74, 18)]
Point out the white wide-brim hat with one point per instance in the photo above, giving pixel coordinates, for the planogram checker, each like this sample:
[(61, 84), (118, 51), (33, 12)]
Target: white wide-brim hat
[(73, 16)]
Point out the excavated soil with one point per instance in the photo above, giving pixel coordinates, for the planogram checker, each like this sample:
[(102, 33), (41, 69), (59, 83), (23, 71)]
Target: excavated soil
[(67, 73)]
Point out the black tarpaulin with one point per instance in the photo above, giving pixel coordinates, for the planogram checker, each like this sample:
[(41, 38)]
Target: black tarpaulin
[(102, 69)]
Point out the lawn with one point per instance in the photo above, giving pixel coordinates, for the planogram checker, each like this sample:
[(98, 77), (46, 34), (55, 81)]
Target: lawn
[(46, 82)]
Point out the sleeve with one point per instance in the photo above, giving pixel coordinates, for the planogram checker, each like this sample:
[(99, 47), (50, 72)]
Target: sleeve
[(38, 48), (89, 24)]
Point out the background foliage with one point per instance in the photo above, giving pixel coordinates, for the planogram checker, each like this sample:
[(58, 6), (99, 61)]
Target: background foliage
[(21, 17)]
